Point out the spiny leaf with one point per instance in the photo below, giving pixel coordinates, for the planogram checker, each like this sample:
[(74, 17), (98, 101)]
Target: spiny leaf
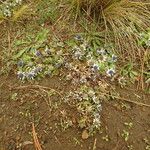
[(20, 53), (42, 36)]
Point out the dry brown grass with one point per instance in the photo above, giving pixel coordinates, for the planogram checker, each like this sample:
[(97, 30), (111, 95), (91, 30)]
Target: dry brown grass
[(119, 20)]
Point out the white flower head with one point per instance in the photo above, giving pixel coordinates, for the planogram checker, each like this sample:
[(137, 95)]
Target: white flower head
[(21, 75), (110, 72)]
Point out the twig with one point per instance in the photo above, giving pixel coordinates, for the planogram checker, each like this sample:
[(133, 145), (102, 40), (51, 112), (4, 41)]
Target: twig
[(36, 142), (9, 41), (94, 146), (127, 100), (33, 87)]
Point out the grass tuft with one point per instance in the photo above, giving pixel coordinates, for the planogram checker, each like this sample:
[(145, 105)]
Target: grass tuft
[(119, 20), (23, 10)]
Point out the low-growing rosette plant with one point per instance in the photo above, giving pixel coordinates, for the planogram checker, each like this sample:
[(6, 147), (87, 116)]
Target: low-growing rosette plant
[(87, 101), (39, 62), (96, 60)]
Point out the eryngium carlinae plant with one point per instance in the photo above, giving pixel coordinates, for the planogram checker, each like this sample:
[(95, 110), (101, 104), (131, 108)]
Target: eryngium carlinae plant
[(121, 21)]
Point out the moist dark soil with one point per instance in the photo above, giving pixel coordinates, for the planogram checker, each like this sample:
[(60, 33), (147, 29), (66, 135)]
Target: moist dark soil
[(20, 107)]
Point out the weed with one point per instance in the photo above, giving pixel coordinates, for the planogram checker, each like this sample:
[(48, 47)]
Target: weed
[(125, 135), (129, 125), (77, 142), (14, 96), (129, 72), (39, 59), (65, 124), (130, 147), (106, 138), (87, 102), (145, 38), (146, 140), (99, 59)]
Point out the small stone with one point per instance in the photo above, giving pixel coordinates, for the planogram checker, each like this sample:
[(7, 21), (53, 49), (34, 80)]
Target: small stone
[(69, 77), (85, 135)]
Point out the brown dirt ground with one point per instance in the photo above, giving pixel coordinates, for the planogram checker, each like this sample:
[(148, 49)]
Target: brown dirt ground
[(17, 115)]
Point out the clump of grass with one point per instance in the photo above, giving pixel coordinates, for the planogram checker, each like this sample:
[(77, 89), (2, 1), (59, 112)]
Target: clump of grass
[(120, 20), (14, 10), (47, 11), (22, 11)]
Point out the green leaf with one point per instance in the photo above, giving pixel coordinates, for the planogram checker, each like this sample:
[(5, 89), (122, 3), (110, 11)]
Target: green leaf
[(102, 67), (26, 58), (20, 53), (42, 36), (134, 73), (19, 42), (147, 81)]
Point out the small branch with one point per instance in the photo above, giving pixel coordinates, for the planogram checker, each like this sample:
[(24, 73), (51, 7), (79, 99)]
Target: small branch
[(127, 100), (33, 87), (9, 42), (94, 145), (35, 138)]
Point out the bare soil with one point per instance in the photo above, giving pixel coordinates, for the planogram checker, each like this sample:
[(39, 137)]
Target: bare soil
[(23, 106)]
